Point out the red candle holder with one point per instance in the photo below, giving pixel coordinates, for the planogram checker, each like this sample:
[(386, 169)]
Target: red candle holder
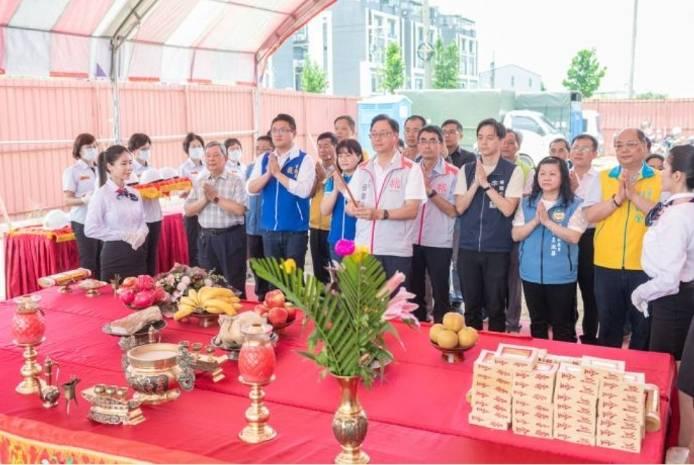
[(256, 367), (28, 329)]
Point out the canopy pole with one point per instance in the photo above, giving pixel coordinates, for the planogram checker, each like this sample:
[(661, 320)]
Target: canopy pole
[(115, 94), (256, 102)]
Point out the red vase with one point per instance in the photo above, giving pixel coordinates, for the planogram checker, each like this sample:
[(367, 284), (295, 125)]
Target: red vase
[(28, 323), (257, 357)]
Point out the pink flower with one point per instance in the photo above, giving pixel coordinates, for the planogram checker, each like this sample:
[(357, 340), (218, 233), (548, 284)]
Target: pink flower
[(393, 283), (344, 247), (399, 307)]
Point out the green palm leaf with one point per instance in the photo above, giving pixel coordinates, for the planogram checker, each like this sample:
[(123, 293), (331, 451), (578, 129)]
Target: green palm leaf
[(348, 325)]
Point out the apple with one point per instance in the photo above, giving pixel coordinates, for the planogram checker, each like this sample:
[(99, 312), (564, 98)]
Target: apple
[(291, 311), (126, 295), (274, 298), (261, 309), (129, 282), (160, 294), (277, 316)]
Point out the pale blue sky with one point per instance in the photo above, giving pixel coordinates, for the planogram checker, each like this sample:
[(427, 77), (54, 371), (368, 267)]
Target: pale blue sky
[(543, 35)]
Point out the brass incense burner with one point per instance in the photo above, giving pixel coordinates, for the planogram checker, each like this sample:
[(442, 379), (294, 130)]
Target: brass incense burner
[(110, 405), (157, 371)]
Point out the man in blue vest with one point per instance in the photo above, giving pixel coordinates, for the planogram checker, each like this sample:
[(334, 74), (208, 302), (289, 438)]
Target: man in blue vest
[(487, 194), (284, 179)]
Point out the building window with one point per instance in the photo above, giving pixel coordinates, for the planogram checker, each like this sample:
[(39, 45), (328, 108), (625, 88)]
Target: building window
[(419, 83), (513, 81), (530, 82)]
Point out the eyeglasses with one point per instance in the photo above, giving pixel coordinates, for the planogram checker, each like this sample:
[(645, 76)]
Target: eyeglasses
[(582, 149), (628, 145), (280, 131), (380, 135), (429, 141)]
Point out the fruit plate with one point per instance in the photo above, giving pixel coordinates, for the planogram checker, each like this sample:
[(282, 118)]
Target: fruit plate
[(235, 349), (451, 355), (91, 286)]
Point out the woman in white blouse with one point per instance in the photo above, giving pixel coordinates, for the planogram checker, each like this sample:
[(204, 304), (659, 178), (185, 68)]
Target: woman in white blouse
[(116, 216), (140, 145), (668, 259), (79, 182)]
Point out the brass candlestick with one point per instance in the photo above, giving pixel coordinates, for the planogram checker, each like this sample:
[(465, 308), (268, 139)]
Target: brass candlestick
[(31, 370), (257, 415)]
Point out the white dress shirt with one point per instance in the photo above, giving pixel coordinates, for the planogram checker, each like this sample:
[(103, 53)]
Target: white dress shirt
[(80, 179), (111, 217), (152, 206), (302, 185), (668, 251), (189, 169), (237, 168)]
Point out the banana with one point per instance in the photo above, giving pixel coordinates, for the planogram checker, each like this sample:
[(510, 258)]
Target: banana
[(206, 293), (189, 301), (183, 311), (219, 306), (192, 293)]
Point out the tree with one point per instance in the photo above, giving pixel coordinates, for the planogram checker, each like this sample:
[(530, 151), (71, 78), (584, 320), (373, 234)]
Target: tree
[(585, 73), (446, 65), (393, 74), (313, 78)]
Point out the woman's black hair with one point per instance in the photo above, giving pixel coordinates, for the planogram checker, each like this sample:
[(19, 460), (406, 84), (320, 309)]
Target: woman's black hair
[(681, 158), (566, 195), (190, 137), (80, 141), (351, 146), (108, 157), (138, 140)]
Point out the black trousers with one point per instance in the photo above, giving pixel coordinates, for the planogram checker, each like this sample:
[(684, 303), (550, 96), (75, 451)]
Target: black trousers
[(551, 305), (586, 282), (119, 258), (152, 246), (192, 232), (224, 250), (391, 264), (436, 261), (320, 253), (671, 317), (255, 250), (485, 284), (613, 290), (89, 249)]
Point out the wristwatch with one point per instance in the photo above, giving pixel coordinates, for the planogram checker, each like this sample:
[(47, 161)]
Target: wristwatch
[(432, 193), (385, 214), (216, 199)]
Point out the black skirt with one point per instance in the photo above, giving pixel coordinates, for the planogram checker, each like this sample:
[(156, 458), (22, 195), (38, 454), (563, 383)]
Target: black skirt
[(670, 321), (119, 258), (685, 378)]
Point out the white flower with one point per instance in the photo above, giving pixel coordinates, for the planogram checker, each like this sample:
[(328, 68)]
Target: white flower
[(209, 283), (185, 280), (182, 286)]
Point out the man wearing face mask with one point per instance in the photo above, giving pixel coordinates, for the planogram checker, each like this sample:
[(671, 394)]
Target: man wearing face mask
[(234, 164), (140, 145), (79, 182), (192, 168)]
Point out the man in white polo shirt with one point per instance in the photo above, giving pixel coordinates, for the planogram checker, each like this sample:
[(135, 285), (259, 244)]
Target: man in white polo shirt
[(388, 189), (434, 225)]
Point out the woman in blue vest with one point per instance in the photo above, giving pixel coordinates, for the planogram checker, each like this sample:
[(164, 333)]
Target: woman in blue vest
[(342, 225), (549, 224)]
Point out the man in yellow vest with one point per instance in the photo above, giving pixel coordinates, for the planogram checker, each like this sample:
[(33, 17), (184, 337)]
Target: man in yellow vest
[(617, 202), (320, 224)]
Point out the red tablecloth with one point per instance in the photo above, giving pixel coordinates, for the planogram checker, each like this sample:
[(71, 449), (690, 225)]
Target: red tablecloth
[(418, 413), (31, 256)]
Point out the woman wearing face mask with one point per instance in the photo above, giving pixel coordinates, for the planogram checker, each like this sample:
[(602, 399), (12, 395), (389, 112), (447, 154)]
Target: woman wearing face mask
[(116, 216), (79, 183), (668, 260), (235, 153), (140, 145), (193, 146)]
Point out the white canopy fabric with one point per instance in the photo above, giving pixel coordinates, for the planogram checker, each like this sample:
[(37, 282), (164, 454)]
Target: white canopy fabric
[(216, 41)]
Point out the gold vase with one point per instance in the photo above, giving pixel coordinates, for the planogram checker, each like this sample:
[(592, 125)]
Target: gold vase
[(350, 423)]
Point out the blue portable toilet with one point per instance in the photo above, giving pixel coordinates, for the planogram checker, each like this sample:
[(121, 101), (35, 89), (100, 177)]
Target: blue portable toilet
[(397, 107)]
